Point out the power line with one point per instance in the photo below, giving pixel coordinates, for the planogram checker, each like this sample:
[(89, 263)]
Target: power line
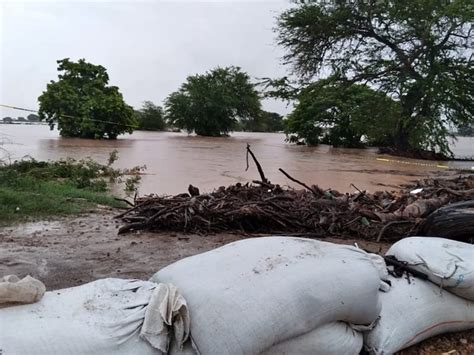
[(69, 116)]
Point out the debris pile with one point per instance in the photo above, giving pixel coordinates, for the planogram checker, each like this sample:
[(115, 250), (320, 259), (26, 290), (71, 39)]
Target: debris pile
[(263, 207)]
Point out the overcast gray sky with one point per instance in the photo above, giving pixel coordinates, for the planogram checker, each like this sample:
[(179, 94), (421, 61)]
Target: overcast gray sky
[(148, 47)]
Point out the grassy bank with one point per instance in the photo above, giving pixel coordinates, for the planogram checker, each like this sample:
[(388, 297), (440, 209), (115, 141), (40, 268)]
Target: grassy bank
[(31, 189)]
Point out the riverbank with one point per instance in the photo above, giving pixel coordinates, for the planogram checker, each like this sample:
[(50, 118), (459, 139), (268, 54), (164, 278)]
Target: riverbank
[(29, 199), (31, 189)]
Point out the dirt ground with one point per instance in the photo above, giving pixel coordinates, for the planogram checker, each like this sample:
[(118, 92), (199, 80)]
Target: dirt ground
[(65, 252)]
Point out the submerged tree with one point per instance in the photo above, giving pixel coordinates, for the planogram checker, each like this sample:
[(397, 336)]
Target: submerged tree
[(210, 104), (83, 105), (418, 52), (264, 122), (345, 115), (150, 117), (32, 117)]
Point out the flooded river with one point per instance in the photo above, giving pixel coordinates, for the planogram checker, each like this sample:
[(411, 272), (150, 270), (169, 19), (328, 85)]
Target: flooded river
[(174, 160)]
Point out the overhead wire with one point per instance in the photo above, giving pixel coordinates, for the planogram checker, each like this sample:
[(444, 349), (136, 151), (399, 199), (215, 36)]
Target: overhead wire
[(69, 116)]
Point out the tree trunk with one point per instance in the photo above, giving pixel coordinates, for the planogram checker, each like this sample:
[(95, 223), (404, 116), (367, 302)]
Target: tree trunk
[(402, 143), (405, 123)]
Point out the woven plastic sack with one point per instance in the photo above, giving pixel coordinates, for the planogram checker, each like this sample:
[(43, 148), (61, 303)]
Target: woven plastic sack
[(252, 294), (329, 339), (101, 317), (26, 290), (448, 263), (415, 311)]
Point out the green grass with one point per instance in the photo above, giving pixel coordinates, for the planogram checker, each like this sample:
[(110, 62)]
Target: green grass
[(35, 199), (26, 196)]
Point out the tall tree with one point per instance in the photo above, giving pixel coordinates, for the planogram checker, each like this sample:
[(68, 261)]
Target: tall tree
[(341, 115), (151, 117), (210, 104), (83, 105), (419, 52)]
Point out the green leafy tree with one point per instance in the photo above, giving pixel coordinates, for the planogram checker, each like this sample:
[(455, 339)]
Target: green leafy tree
[(466, 130), (83, 105), (341, 115), (419, 52), (211, 104), (264, 122), (32, 117), (150, 117)]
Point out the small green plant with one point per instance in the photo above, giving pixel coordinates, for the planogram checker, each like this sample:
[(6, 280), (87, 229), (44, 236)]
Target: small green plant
[(113, 157), (30, 188)]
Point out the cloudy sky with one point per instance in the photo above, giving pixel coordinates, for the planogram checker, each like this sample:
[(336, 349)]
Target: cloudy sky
[(148, 47)]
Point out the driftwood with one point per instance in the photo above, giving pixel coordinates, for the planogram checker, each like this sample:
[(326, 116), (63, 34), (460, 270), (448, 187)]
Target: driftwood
[(315, 189), (418, 209), (401, 267), (259, 167), (264, 207)]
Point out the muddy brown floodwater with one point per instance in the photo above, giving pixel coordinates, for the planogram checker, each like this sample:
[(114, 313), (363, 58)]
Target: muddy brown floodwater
[(69, 251), (175, 160)]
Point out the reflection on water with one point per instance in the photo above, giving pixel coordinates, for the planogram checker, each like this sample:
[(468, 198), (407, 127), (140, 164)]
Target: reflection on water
[(174, 160)]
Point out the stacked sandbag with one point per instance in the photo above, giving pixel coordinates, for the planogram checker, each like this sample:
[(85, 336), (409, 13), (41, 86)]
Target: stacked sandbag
[(108, 316), (20, 291), (328, 339), (447, 263), (415, 309), (278, 295)]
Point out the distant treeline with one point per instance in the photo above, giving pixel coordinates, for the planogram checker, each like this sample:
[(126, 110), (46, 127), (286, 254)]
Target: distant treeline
[(30, 118), (393, 74), (152, 117)]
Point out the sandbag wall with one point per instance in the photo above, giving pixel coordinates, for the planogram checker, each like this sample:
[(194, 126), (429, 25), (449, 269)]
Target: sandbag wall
[(101, 317), (279, 295), (415, 309), (274, 295)]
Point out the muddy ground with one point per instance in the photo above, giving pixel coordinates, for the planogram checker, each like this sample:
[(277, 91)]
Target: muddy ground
[(65, 252)]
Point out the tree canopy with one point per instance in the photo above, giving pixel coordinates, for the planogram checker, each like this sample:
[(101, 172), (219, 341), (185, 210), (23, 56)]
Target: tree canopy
[(83, 105), (340, 114), (150, 117), (210, 104), (263, 122), (418, 52), (32, 117)]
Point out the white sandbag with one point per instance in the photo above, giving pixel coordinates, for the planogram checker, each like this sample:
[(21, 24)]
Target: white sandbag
[(252, 294), (448, 263), (329, 339), (26, 290), (414, 312), (101, 317)]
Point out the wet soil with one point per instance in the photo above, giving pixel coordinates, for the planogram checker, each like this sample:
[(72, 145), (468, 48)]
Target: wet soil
[(69, 251)]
